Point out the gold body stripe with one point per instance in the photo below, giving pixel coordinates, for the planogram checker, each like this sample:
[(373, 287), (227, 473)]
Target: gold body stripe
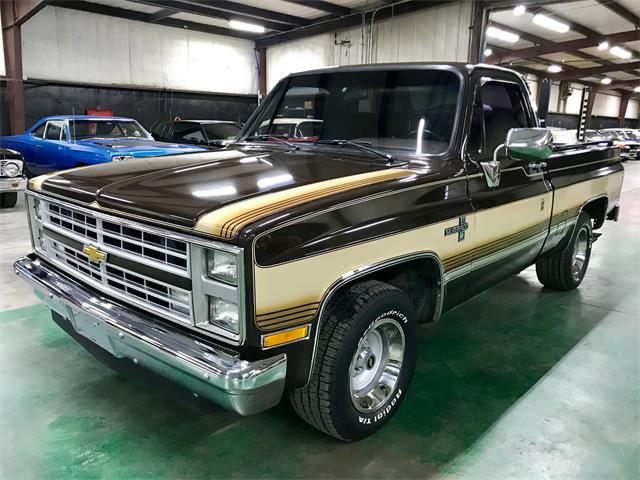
[(489, 232), (226, 222)]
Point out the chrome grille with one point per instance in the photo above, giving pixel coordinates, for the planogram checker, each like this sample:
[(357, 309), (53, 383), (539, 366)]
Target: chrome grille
[(143, 246), (68, 229)]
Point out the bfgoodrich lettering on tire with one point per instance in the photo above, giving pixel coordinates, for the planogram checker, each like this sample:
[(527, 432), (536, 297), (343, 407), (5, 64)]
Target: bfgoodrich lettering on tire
[(364, 363)]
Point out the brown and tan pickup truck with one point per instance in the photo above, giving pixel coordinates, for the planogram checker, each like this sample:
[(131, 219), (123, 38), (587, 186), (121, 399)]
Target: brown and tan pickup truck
[(305, 268)]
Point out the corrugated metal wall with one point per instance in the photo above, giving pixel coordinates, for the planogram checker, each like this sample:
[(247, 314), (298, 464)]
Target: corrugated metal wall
[(435, 34), (68, 45)]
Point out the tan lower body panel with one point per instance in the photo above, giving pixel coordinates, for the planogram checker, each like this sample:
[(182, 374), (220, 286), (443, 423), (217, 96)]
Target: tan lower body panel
[(490, 231)]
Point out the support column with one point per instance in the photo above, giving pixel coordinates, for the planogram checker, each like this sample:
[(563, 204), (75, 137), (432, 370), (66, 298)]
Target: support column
[(624, 103), (480, 16), (262, 73), (12, 41), (592, 99), (544, 94)]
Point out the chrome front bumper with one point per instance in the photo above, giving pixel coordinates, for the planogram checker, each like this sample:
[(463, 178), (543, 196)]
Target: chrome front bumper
[(13, 184), (209, 371)]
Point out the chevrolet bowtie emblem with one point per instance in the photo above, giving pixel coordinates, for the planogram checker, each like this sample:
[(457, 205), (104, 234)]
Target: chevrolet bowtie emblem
[(94, 254)]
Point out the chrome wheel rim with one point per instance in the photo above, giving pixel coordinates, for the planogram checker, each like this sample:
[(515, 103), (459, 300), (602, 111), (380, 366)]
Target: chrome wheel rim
[(580, 249), (376, 365)]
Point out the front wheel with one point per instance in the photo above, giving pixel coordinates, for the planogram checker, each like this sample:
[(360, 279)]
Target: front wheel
[(364, 362), (8, 199), (565, 270)]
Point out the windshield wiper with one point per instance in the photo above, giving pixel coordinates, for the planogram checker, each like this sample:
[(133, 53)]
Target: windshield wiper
[(361, 145), (266, 138)]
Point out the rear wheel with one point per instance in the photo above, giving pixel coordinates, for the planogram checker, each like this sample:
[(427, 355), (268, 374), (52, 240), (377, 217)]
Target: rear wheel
[(364, 362), (565, 270), (8, 199)]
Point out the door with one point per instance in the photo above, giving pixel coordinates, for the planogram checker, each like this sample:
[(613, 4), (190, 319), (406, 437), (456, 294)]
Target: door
[(511, 200), (49, 154)]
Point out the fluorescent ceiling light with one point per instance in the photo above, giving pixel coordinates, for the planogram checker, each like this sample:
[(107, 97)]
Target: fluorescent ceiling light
[(550, 23), (502, 35), (605, 81), (603, 46), (519, 10), (554, 69), (488, 52), (637, 89), (246, 27), (620, 52)]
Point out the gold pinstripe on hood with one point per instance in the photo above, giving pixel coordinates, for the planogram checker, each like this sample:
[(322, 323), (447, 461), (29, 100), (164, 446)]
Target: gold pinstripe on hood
[(226, 222)]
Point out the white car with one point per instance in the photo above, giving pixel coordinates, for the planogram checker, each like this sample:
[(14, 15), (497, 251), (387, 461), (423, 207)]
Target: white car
[(293, 129), (12, 179)]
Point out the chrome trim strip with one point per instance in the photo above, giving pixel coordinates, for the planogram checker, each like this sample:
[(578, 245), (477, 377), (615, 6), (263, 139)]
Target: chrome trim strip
[(210, 371)]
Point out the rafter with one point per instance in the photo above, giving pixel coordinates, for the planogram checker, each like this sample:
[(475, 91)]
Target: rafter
[(569, 46), (323, 6), (588, 72), (615, 7), (212, 10)]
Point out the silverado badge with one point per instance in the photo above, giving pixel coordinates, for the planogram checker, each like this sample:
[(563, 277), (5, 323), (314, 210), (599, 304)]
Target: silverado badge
[(459, 229), (94, 254)]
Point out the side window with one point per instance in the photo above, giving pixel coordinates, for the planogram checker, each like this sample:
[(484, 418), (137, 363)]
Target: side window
[(53, 130), (502, 107), (39, 132)]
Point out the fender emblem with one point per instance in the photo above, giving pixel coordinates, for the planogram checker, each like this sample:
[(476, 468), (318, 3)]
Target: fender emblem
[(459, 229), (94, 254)]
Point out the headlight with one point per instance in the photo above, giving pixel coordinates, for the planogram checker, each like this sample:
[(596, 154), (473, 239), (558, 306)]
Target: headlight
[(122, 158), (36, 208), (222, 266), (12, 169), (224, 314)]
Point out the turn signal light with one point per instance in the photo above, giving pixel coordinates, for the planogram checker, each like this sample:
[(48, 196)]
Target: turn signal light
[(288, 336)]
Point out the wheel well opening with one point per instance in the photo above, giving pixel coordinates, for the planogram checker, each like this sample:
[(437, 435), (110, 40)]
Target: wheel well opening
[(597, 210), (420, 279)]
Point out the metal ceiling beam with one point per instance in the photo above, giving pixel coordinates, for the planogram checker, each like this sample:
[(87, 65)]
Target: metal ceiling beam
[(210, 10), (615, 7), (167, 12), (586, 31), (569, 46), (21, 10), (351, 20), (543, 41), (588, 72), (145, 17), (254, 12), (323, 6)]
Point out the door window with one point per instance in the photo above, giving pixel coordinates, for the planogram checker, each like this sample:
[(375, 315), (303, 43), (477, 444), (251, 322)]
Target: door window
[(498, 107), (54, 130), (187, 133), (39, 132)]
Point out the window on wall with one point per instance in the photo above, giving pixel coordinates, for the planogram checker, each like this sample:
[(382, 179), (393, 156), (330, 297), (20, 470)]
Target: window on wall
[(498, 107)]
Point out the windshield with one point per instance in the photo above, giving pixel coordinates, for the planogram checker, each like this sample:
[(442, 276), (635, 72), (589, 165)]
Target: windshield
[(221, 131), (81, 129), (408, 111)]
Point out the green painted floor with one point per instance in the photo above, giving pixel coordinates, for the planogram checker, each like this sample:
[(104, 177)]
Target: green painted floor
[(519, 382)]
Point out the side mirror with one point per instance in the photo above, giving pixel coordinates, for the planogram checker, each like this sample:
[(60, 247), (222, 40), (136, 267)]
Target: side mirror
[(529, 144)]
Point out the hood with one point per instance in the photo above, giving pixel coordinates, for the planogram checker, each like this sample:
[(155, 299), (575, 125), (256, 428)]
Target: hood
[(181, 188), (138, 147)]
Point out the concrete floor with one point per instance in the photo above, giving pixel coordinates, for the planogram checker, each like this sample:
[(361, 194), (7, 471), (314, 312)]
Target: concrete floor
[(519, 382)]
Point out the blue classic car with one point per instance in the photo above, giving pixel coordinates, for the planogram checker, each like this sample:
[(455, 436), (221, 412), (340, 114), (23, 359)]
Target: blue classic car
[(67, 141)]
